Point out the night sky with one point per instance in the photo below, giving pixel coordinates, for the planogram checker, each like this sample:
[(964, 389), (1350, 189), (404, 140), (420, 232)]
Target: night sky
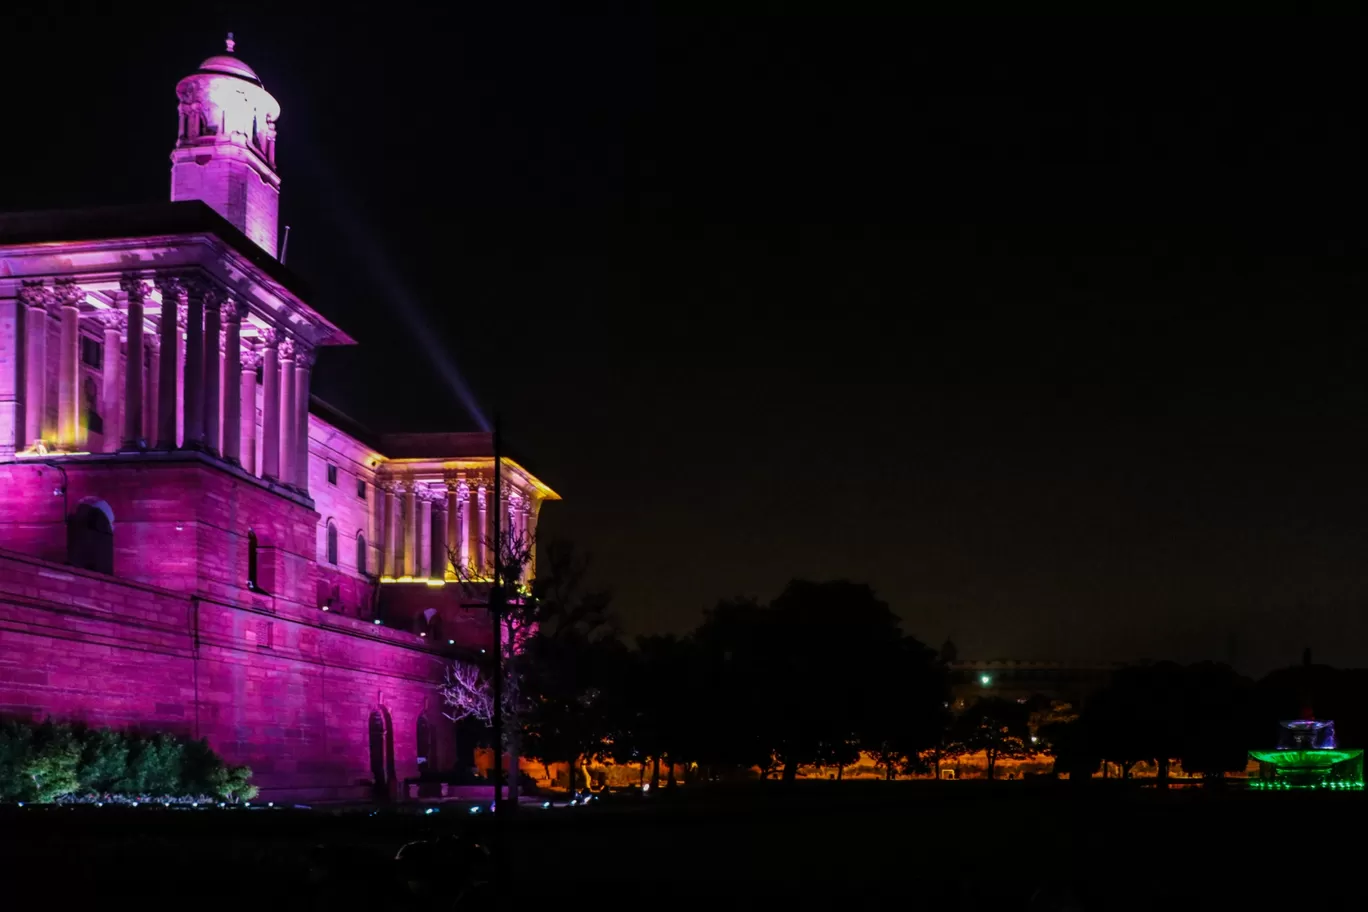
[(1055, 336)]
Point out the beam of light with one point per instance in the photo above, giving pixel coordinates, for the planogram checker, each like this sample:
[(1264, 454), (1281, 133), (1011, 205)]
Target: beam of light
[(369, 254)]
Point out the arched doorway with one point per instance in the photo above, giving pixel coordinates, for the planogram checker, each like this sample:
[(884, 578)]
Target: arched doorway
[(381, 736), (90, 537)]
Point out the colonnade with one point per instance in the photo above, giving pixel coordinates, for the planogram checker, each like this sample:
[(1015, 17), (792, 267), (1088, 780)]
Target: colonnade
[(191, 384), (426, 525)]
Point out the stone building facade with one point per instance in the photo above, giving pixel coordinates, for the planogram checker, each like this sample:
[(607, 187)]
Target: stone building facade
[(189, 540)]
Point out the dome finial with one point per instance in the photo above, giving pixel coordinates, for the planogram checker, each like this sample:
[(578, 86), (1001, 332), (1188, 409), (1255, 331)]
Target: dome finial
[(230, 42)]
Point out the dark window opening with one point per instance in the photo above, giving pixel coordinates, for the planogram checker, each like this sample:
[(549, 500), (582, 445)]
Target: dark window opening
[(424, 745), (360, 553), (332, 474), (252, 561), (91, 393), (92, 352), (90, 538), (332, 544), (361, 488)]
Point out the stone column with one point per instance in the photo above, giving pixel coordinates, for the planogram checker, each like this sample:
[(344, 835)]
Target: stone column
[(424, 533), (212, 368), (250, 361), (289, 422), (110, 387), (133, 437), (150, 390), (36, 300), (168, 333), (466, 507), (182, 315), (304, 360), (388, 526), (195, 293), (410, 532), (270, 407), (438, 569), (69, 298), (452, 539), (233, 386), (530, 523), (479, 543)]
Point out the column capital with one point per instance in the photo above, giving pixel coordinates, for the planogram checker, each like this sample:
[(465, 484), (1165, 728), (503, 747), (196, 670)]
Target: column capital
[(213, 297), (33, 294), (113, 319), (287, 349), (233, 309), (197, 286), (68, 293), (134, 286), (269, 337), (251, 359), (151, 342), (169, 285), (304, 355)]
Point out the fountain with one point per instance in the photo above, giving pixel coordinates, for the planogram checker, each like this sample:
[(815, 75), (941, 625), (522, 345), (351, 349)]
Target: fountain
[(1306, 757)]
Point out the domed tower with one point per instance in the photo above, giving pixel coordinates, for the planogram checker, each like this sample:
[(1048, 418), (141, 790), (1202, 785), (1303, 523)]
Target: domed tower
[(225, 146)]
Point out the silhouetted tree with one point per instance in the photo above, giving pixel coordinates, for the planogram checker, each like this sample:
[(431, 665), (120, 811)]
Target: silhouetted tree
[(993, 725), (1218, 724), (904, 713), (1073, 749)]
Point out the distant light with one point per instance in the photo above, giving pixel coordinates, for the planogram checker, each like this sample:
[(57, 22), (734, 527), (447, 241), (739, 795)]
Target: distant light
[(475, 809), (422, 634), (270, 804), (1034, 739), (325, 607), (985, 680), (451, 642), (21, 804), (645, 787), (481, 652), (546, 804), (135, 804), (428, 811), (377, 620), (491, 808)]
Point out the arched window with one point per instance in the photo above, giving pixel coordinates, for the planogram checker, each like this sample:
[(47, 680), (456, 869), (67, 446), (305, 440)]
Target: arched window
[(332, 543), (360, 553), (251, 560), (90, 537)]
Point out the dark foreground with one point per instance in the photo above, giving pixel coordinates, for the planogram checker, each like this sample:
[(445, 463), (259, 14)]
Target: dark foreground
[(951, 846)]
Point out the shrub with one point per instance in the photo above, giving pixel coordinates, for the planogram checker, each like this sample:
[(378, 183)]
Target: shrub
[(48, 761)]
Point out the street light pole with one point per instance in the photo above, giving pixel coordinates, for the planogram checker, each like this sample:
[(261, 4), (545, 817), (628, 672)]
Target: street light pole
[(496, 610)]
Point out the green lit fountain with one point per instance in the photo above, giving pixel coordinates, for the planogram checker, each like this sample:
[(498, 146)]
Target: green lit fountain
[(1306, 757)]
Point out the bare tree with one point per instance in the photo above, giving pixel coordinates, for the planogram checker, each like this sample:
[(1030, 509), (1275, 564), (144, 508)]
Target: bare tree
[(466, 693), (467, 690)]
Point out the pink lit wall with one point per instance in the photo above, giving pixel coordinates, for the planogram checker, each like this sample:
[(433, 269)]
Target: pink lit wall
[(289, 694)]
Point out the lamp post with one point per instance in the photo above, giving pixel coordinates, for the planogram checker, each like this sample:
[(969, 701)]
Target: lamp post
[(496, 608)]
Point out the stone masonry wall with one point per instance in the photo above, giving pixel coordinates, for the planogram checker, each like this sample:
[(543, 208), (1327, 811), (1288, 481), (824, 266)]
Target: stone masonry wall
[(290, 696)]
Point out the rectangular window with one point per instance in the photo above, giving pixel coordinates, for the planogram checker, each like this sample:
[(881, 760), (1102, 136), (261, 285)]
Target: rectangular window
[(361, 488), (92, 352), (332, 474)]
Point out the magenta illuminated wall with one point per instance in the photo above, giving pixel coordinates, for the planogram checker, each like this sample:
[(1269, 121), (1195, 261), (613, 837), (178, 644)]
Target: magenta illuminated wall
[(176, 641)]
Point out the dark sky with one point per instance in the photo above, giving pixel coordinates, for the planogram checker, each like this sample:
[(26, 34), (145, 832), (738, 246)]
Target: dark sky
[(1053, 334)]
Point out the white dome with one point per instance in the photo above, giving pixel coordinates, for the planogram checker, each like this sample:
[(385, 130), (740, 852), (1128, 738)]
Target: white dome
[(230, 66)]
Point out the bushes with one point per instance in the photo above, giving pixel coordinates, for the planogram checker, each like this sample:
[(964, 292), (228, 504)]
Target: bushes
[(48, 761)]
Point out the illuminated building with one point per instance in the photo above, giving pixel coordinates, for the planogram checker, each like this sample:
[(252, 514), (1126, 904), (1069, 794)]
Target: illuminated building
[(189, 540)]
